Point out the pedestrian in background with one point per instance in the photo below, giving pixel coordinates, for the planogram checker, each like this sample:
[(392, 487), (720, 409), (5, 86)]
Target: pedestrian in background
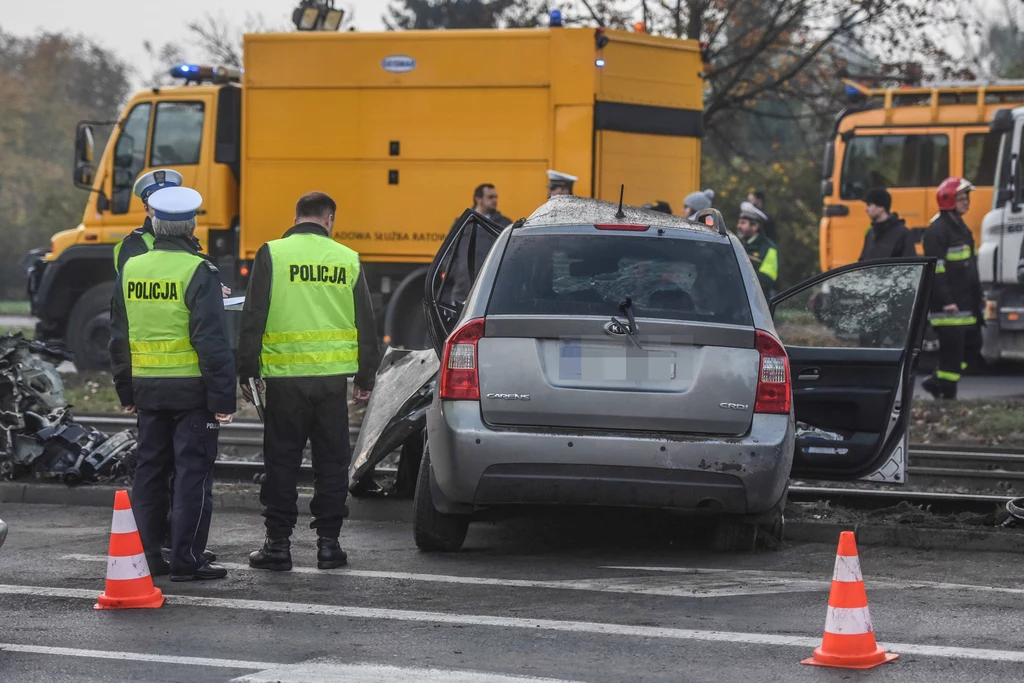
[(888, 236), (757, 198), (659, 206), (307, 327), (955, 306), (485, 203), (172, 365), (560, 183), (761, 251), (696, 202)]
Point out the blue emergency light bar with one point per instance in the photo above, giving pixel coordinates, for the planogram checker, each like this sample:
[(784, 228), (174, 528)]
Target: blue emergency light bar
[(196, 73)]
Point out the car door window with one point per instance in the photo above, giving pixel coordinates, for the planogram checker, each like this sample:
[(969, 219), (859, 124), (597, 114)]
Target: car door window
[(129, 156), (866, 308), (177, 134)]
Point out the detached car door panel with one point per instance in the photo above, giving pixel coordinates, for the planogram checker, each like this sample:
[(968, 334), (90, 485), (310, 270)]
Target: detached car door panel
[(853, 335), (453, 271)]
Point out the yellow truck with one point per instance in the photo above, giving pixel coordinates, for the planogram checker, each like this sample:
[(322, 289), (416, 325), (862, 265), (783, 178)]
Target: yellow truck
[(399, 128), (908, 139)]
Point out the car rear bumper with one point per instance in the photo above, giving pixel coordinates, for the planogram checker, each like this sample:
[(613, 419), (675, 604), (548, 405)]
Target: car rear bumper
[(475, 464)]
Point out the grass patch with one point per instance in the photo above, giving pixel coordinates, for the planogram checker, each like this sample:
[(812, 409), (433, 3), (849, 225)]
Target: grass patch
[(978, 423), (27, 332), (15, 308), (91, 392)]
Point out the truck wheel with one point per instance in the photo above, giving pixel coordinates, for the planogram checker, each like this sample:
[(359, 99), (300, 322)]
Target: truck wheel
[(433, 530), (88, 330)]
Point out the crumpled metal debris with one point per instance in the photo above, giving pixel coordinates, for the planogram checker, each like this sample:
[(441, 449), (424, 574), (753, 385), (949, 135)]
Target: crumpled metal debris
[(397, 410), (39, 437)]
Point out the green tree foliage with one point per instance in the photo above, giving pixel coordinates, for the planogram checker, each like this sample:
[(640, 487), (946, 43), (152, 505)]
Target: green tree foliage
[(48, 83)]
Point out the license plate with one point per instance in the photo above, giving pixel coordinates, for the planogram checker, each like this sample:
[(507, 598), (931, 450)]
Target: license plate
[(593, 362)]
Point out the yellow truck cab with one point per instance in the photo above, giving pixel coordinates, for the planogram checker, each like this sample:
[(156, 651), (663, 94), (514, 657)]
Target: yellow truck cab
[(908, 140), (398, 127)]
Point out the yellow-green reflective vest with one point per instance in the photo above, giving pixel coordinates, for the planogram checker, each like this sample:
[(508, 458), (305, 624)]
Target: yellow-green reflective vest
[(311, 325), (154, 287), (148, 238)]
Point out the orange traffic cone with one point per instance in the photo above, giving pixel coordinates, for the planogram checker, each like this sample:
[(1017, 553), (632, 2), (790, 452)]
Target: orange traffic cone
[(128, 581), (849, 640)]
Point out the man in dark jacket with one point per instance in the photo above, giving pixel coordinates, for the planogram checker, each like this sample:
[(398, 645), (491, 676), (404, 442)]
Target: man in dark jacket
[(956, 299), (485, 203), (172, 365), (307, 326), (888, 236)]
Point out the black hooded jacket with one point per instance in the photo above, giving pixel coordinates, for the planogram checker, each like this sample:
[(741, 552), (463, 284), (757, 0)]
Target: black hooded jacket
[(888, 239)]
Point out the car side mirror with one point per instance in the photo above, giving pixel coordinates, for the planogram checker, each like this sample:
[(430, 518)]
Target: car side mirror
[(85, 174)]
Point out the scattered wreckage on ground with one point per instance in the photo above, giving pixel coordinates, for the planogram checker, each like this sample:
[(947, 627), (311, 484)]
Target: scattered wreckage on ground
[(39, 437)]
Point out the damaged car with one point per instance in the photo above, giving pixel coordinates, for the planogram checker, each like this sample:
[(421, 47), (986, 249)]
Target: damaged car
[(613, 356), (39, 436)]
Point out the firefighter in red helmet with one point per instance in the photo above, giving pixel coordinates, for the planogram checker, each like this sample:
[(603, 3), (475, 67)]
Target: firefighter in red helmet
[(955, 307)]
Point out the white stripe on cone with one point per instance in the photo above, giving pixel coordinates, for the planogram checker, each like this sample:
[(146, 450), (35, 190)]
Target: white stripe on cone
[(126, 568), (847, 569), (848, 621), (123, 522)]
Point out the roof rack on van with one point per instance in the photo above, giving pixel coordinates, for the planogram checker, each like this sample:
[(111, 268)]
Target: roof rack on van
[(939, 94)]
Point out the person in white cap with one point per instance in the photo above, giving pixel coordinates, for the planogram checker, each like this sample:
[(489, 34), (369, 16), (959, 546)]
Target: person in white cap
[(173, 367), (560, 183), (761, 251), (140, 240)]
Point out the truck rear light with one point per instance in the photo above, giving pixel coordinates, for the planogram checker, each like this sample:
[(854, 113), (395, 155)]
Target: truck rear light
[(627, 227), (773, 384), (460, 379)]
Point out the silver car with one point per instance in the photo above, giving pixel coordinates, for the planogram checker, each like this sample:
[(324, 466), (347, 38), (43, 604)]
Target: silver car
[(621, 357)]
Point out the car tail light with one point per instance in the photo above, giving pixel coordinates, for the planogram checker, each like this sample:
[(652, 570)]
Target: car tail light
[(773, 385), (460, 380)]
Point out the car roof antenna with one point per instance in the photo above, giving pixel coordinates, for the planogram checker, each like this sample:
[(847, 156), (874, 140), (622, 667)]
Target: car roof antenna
[(620, 214)]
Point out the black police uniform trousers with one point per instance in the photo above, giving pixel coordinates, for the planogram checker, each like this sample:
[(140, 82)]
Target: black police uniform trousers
[(183, 443), (301, 409)]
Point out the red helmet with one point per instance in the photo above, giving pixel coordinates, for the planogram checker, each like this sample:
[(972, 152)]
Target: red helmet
[(949, 189)]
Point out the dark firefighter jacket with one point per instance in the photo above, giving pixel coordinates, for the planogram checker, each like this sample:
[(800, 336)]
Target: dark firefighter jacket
[(257, 307), (133, 245), (208, 333), (888, 239), (956, 274)]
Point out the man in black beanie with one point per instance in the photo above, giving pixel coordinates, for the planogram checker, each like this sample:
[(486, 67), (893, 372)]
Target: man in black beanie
[(888, 236)]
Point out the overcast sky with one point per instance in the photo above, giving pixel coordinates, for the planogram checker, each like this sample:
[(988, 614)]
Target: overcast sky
[(123, 25)]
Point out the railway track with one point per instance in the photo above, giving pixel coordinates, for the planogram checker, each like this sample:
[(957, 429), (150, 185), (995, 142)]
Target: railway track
[(974, 469)]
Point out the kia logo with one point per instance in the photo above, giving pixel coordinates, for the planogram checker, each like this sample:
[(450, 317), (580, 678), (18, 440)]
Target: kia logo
[(614, 328)]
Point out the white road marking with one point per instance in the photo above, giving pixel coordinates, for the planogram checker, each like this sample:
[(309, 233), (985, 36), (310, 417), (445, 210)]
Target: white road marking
[(330, 672), (706, 585), (135, 657), (872, 583), (588, 627), (306, 672)]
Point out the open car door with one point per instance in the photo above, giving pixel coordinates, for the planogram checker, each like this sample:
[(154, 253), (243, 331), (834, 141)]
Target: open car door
[(452, 273), (853, 335)]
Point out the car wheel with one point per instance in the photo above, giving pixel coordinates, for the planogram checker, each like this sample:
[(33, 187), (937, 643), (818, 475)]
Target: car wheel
[(737, 533), (88, 330), (433, 530)]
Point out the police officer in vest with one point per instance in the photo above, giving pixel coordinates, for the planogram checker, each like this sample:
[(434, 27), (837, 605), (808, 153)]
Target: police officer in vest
[(760, 250), (140, 240), (172, 366), (956, 298), (307, 326), (560, 183)]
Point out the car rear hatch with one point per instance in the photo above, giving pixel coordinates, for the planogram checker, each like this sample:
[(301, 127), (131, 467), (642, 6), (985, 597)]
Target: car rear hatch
[(552, 355)]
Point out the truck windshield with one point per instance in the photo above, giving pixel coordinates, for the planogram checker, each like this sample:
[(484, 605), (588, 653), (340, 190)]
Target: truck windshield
[(177, 134), (893, 161), (587, 274), (130, 155)]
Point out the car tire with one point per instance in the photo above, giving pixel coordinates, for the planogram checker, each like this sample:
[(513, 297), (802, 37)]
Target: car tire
[(88, 331), (435, 531), (739, 533)]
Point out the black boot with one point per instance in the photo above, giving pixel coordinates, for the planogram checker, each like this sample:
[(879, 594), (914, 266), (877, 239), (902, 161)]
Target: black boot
[(940, 388), (165, 553), (329, 553), (275, 555)]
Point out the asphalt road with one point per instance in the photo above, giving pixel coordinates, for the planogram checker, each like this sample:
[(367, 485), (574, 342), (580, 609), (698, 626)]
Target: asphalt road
[(587, 597)]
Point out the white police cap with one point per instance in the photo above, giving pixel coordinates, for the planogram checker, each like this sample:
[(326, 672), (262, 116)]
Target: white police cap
[(557, 179), (149, 183), (175, 203), (751, 212)]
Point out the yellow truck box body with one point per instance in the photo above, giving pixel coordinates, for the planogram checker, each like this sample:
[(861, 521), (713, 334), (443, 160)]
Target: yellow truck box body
[(402, 148)]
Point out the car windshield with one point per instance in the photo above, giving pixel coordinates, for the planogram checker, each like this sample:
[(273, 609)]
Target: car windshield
[(588, 274)]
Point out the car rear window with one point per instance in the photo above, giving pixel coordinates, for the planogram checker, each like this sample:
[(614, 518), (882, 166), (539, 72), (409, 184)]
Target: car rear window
[(588, 274)]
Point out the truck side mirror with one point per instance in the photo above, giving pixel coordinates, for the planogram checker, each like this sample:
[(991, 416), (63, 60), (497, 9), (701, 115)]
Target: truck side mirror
[(85, 144)]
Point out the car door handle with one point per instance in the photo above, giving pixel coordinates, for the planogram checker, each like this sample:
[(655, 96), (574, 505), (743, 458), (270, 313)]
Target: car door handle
[(809, 375)]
